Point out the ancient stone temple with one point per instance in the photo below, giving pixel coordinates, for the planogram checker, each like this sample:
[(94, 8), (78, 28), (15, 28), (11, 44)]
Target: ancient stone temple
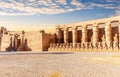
[(95, 35)]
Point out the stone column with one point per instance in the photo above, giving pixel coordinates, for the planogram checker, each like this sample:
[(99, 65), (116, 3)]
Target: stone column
[(84, 34), (119, 33), (74, 34), (65, 35), (108, 33), (95, 34)]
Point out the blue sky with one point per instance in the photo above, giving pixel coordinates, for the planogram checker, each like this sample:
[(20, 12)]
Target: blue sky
[(48, 13)]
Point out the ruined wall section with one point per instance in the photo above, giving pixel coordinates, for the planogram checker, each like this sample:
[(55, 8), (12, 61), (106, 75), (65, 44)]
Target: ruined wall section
[(36, 40), (46, 39), (39, 40), (33, 39), (5, 42)]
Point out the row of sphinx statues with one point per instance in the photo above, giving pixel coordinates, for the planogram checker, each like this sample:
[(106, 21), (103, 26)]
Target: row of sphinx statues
[(88, 45)]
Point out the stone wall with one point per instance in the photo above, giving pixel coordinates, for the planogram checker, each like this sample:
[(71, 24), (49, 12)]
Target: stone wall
[(33, 39), (46, 39), (36, 40), (5, 42)]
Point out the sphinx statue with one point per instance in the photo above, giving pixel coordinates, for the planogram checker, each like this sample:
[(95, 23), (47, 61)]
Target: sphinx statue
[(104, 45), (115, 41), (103, 38), (94, 44), (99, 45), (91, 39), (115, 38)]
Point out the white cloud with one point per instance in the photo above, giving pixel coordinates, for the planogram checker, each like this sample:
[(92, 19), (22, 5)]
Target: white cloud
[(105, 6), (64, 2), (43, 2), (31, 0), (109, 1), (114, 7), (77, 3), (112, 0), (35, 7), (117, 12)]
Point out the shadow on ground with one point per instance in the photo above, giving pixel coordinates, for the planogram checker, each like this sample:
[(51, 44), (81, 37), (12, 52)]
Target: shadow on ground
[(31, 53)]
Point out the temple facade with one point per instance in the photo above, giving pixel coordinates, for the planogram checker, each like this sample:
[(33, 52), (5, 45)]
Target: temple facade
[(95, 35)]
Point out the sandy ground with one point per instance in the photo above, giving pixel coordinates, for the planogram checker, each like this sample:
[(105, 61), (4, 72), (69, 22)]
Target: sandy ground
[(79, 64)]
